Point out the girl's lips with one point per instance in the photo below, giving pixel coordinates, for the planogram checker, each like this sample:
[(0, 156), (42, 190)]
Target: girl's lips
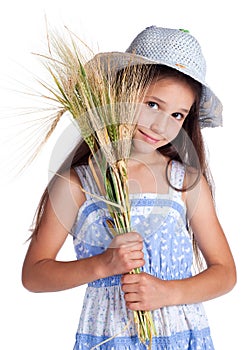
[(151, 139)]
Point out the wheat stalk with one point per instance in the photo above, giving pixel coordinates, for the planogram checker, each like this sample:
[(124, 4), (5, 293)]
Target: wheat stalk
[(104, 105)]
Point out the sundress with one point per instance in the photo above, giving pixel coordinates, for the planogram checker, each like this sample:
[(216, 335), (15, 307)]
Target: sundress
[(161, 220)]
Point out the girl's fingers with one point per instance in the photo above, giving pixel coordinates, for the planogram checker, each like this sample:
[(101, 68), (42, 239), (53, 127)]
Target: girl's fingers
[(132, 298), (128, 248), (136, 254), (131, 240), (128, 288), (132, 237), (131, 278)]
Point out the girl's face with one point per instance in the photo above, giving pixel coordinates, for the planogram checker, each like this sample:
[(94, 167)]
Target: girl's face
[(166, 105)]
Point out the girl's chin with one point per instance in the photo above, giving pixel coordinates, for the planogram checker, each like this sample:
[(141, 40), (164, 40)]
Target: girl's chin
[(147, 146), (144, 147)]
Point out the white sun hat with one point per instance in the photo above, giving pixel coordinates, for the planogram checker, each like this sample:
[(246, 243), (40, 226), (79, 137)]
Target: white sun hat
[(175, 48)]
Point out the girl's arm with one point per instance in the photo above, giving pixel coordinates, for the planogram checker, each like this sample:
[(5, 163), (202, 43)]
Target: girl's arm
[(146, 292), (43, 273), (220, 275)]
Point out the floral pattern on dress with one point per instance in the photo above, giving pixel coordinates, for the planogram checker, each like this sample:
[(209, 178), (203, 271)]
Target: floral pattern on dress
[(161, 220)]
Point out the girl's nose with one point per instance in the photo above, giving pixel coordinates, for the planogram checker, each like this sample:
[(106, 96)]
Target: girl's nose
[(159, 123)]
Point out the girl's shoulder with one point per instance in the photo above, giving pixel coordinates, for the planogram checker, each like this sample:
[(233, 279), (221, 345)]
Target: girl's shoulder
[(185, 179), (68, 185)]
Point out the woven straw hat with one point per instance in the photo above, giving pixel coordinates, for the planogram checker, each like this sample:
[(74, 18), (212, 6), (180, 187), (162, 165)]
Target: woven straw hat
[(177, 49)]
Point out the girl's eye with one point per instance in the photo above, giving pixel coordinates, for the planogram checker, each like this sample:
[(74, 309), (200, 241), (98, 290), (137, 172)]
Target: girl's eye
[(178, 116), (152, 105)]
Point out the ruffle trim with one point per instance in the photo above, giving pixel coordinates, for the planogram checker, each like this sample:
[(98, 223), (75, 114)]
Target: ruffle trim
[(187, 340)]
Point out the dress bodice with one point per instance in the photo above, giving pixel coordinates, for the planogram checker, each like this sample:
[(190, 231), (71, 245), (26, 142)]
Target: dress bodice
[(159, 218)]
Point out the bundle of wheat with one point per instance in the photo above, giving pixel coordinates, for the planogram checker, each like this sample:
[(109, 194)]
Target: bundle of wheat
[(104, 103)]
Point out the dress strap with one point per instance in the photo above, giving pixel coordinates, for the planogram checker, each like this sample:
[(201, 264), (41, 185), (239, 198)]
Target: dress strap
[(177, 175), (87, 180)]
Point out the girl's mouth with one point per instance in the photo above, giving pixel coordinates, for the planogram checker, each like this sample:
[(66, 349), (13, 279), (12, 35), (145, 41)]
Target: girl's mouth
[(149, 138)]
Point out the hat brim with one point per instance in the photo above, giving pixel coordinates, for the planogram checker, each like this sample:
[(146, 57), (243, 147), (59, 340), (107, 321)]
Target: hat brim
[(210, 106)]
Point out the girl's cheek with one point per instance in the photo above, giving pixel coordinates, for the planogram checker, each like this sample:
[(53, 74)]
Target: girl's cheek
[(172, 130), (144, 119)]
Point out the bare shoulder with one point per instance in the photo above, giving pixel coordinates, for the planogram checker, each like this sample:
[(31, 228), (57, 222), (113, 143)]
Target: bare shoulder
[(76, 187), (199, 199), (65, 197), (68, 185)]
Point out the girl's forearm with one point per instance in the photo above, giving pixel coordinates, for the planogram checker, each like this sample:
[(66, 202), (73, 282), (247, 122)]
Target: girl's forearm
[(49, 275), (209, 284)]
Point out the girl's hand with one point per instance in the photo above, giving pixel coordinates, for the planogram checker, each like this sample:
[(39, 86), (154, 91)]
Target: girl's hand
[(124, 254), (143, 291)]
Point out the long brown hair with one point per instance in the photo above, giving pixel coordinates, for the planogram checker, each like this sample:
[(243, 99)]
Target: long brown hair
[(187, 148)]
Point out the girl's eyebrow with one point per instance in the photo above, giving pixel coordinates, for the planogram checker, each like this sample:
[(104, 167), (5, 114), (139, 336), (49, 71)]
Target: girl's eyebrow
[(157, 99)]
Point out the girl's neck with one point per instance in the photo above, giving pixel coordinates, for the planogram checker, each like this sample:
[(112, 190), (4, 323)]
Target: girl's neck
[(148, 158), (146, 173)]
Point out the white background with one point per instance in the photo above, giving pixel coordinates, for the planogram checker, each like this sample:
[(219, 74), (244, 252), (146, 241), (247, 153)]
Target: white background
[(49, 321)]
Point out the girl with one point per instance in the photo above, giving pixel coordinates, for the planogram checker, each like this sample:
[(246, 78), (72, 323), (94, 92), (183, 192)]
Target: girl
[(172, 215)]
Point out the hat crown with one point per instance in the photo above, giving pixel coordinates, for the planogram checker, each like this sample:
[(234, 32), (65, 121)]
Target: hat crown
[(172, 47)]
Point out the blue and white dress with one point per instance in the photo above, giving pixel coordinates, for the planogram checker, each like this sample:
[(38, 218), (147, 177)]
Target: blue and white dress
[(161, 220)]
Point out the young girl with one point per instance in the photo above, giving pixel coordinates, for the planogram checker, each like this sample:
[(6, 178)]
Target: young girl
[(172, 215)]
